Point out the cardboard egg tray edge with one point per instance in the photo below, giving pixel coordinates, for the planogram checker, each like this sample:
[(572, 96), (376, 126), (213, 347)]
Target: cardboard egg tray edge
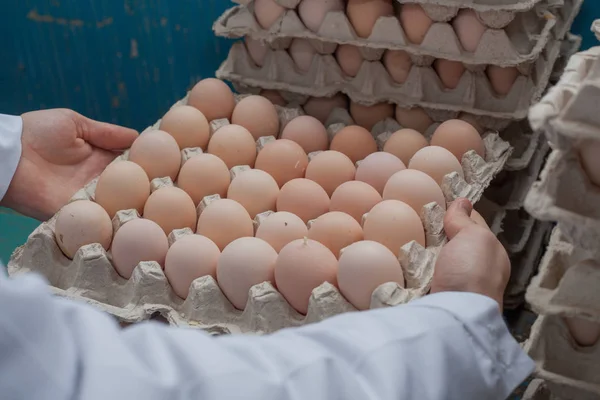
[(495, 47), (566, 113), (564, 194), (567, 284), (525, 263), (477, 5), (374, 85), (537, 390), (570, 46), (90, 277), (551, 345)]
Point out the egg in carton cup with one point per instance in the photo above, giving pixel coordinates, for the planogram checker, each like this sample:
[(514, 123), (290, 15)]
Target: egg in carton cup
[(569, 370), (565, 194), (373, 83), (510, 188), (509, 39), (525, 263)]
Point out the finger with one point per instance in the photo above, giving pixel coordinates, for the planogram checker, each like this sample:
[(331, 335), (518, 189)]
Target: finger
[(458, 217), (108, 136)]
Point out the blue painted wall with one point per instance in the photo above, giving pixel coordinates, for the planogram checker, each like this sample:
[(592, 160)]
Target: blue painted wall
[(122, 61)]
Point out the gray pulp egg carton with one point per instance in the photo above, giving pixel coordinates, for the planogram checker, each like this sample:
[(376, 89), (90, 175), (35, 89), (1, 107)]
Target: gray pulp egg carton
[(567, 283), (564, 194), (568, 370), (537, 390), (492, 213), (483, 6), (569, 47), (90, 276), (512, 38), (373, 84), (525, 263)]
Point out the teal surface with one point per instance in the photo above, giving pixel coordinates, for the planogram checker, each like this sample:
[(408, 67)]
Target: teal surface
[(122, 61)]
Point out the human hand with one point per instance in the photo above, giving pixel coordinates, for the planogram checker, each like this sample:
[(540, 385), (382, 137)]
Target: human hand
[(473, 260), (61, 152)]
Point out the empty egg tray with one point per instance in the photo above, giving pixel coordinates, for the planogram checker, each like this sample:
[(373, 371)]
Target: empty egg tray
[(510, 40), (569, 371), (90, 276), (445, 6)]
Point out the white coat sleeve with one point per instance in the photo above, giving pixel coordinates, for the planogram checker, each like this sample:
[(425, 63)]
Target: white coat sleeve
[(442, 347), (10, 149)]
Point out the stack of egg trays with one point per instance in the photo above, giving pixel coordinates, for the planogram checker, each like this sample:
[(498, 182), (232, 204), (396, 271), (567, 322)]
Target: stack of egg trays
[(528, 37), (90, 276), (569, 277)]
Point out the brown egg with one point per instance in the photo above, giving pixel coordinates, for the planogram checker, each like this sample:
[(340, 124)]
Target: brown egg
[(437, 162), (204, 175), (213, 98), (354, 198), (449, 72), (304, 198), (502, 79), (257, 49), (274, 97), (189, 258), (321, 107), (303, 54), (267, 12), (349, 59), (245, 262), (254, 189), (335, 230), (469, 29), (313, 12), (368, 116), (363, 14), (283, 159), (188, 126), (330, 169), (171, 208), (393, 224), (308, 132), (81, 223), (302, 266), (157, 153), (414, 118), (136, 241), (405, 143), (224, 221), (414, 188), (354, 141), (363, 267), (458, 137), (471, 119), (122, 186), (398, 64), (586, 333), (378, 168), (281, 228), (258, 115), (234, 145), (590, 162), (478, 219), (415, 22)]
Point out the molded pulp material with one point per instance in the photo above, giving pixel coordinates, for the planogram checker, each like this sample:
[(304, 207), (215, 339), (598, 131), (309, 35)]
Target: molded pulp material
[(511, 38)]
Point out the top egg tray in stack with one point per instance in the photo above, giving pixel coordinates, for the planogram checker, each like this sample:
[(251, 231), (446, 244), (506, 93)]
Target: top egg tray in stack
[(529, 40), (569, 276), (91, 277)]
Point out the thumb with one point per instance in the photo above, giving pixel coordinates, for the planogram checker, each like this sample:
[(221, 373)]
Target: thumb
[(458, 217), (107, 136)]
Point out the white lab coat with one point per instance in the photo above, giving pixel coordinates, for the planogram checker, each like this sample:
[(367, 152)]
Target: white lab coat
[(451, 346)]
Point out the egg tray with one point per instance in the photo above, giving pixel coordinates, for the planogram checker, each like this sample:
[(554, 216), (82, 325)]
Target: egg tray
[(90, 277), (445, 6), (525, 142), (525, 263), (567, 283), (567, 113), (537, 390), (517, 230), (510, 188), (511, 38), (564, 194), (570, 371), (492, 213), (569, 47), (373, 84)]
